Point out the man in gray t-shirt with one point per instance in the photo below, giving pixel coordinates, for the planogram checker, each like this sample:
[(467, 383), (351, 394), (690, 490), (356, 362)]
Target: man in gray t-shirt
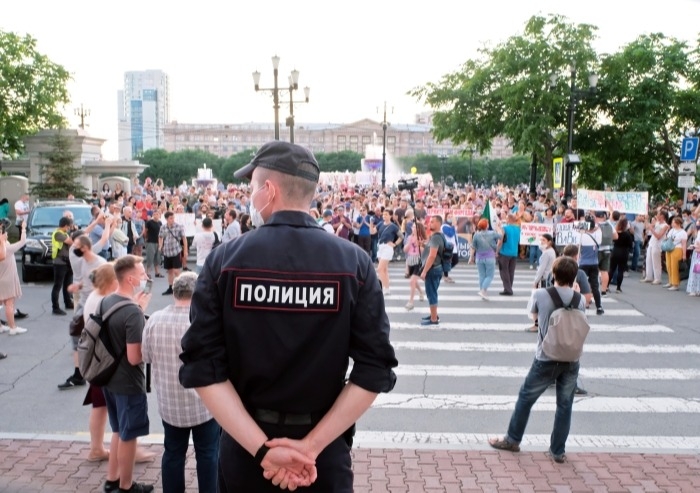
[(125, 394), (544, 372)]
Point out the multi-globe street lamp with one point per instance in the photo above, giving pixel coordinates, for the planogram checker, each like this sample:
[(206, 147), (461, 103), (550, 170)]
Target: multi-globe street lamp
[(275, 90), (575, 95), (471, 152), (442, 157)]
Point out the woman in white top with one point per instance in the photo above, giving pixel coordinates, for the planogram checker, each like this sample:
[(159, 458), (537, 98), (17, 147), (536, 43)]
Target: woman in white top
[(658, 230), (680, 238), (693, 286), (544, 271)]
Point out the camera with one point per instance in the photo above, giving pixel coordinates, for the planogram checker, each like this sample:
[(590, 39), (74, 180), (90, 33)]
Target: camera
[(408, 184)]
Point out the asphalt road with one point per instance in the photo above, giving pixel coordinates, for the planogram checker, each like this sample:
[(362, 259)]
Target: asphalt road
[(457, 384)]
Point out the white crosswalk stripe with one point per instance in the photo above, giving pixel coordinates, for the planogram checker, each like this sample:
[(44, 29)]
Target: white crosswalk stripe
[(458, 381)]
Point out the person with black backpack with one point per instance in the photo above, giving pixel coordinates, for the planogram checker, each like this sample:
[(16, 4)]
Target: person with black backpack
[(432, 260), (563, 327)]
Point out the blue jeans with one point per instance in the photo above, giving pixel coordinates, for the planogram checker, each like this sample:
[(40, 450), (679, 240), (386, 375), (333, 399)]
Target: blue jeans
[(206, 448), (635, 254), (534, 254), (487, 268), (540, 376), (432, 283)]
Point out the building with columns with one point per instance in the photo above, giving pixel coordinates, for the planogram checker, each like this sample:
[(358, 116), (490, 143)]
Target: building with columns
[(402, 139)]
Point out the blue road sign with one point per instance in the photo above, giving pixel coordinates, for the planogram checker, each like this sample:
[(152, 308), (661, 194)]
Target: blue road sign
[(689, 149)]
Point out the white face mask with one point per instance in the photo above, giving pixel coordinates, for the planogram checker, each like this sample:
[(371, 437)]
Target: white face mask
[(142, 284), (256, 218)]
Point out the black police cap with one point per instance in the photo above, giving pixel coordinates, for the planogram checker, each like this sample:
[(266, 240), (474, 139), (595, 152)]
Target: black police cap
[(283, 157)]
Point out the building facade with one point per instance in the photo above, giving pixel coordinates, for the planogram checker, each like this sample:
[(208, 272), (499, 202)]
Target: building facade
[(143, 111), (402, 140)]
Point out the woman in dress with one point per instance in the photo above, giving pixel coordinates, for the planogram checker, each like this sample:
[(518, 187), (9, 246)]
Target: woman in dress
[(657, 230), (622, 247), (693, 287), (413, 249), (10, 288), (484, 245)]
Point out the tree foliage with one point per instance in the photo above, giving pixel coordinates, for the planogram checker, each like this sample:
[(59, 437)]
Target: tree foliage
[(174, 167), (628, 133), (506, 91), (32, 90), (60, 176), (509, 171)]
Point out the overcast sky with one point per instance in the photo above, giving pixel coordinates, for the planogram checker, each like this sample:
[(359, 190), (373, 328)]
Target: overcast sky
[(354, 55)]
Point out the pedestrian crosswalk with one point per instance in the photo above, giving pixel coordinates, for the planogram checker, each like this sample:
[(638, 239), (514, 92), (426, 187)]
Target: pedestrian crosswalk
[(458, 382)]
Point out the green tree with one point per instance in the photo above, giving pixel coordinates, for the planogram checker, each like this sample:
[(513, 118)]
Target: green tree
[(60, 177), (506, 91), (32, 89), (339, 161), (649, 97), (174, 167)]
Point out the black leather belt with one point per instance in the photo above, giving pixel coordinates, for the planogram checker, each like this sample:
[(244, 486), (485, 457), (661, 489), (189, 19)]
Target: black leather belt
[(277, 418)]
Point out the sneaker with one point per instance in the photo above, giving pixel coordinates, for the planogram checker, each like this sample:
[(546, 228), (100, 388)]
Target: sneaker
[(17, 330), (668, 285), (427, 317), (421, 296), (4, 328), (599, 311), (579, 391), (19, 315), (673, 288), (168, 291), (111, 486), (386, 292), (409, 306), (693, 294), (644, 280), (483, 295), (618, 291), (449, 280), (656, 283), (429, 322), (559, 459), (532, 267), (71, 382), (138, 488), (505, 293), (504, 444), (58, 311)]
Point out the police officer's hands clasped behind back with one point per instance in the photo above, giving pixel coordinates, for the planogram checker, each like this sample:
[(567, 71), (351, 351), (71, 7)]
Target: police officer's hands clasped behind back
[(275, 318)]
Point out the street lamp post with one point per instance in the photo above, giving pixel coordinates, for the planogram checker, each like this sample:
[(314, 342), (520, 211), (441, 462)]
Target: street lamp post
[(471, 151), (293, 86), (275, 92), (82, 113), (385, 125), (533, 174), (442, 157), (575, 95)]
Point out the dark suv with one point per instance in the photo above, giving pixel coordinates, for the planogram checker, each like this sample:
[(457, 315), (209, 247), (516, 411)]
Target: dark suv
[(43, 221)]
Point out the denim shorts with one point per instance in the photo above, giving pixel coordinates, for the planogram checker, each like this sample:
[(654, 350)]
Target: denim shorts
[(128, 414), (432, 282)]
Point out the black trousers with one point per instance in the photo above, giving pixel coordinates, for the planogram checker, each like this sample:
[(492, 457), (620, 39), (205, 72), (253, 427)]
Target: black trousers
[(62, 278), (365, 242), (239, 473), (592, 273), (506, 269), (618, 264)]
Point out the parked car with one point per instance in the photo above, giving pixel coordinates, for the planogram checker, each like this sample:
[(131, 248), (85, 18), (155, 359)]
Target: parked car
[(43, 221)]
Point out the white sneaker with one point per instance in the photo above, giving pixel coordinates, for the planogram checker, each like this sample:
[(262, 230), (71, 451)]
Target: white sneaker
[(532, 267), (483, 295), (4, 328), (387, 292), (409, 306), (673, 288), (17, 330)]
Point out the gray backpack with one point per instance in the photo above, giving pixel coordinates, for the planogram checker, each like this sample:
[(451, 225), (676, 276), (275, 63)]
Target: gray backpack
[(97, 357), (567, 329)]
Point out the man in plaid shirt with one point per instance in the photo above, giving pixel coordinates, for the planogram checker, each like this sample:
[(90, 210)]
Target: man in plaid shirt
[(173, 243), (181, 409)]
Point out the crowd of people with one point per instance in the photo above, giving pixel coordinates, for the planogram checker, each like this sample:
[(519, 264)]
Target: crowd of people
[(299, 430)]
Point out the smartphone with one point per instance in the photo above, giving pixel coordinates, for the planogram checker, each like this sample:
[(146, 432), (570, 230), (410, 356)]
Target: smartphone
[(149, 286)]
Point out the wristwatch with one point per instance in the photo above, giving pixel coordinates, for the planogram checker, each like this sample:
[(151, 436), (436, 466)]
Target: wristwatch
[(261, 453)]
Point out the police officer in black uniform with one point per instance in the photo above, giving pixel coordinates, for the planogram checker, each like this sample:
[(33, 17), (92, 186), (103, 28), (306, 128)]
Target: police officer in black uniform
[(276, 315)]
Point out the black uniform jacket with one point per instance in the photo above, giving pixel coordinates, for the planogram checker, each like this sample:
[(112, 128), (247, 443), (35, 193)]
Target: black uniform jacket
[(279, 312)]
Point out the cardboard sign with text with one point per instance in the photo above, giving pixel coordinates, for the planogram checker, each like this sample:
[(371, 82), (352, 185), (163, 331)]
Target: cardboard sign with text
[(530, 232)]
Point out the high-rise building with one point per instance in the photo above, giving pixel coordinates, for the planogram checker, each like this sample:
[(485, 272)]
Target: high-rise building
[(144, 109)]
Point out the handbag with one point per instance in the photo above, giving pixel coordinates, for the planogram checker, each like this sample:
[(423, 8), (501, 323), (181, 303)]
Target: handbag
[(77, 324), (667, 245)]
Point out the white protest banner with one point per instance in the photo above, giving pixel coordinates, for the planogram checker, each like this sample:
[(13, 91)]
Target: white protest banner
[(455, 212), (567, 234), (632, 202), (591, 200), (193, 225), (530, 232), (595, 200)]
